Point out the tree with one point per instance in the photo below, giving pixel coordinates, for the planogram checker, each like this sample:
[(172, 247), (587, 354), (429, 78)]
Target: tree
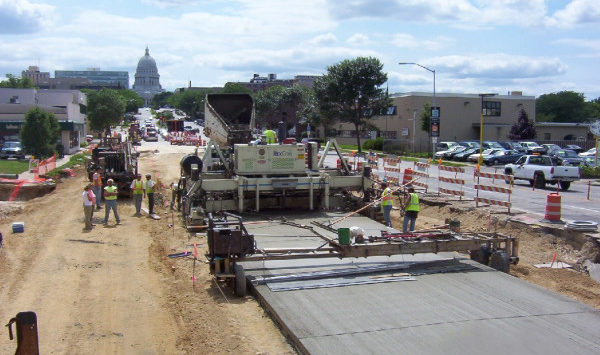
[(564, 106), (426, 117), (523, 128), (190, 101), (351, 92), (16, 83), (39, 132), (105, 108), (132, 100), (160, 100), (235, 88)]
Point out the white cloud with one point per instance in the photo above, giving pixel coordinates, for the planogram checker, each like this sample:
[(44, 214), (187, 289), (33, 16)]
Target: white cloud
[(22, 16), (498, 65), (358, 39), (406, 40), (324, 39), (577, 12)]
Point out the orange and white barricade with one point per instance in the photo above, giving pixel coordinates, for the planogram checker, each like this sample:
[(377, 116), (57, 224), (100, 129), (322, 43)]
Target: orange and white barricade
[(391, 169), (421, 170), (456, 180), (498, 189)]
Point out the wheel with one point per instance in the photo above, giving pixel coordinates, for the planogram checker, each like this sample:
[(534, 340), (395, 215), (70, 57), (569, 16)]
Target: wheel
[(481, 255), (240, 280), (564, 185), (531, 182), (510, 174), (500, 261), (540, 181)]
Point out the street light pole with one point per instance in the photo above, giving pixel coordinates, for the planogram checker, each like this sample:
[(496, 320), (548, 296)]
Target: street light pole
[(433, 100), (481, 128)]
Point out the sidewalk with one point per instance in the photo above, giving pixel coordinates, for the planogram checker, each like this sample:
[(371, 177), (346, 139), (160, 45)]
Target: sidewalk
[(28, 175)]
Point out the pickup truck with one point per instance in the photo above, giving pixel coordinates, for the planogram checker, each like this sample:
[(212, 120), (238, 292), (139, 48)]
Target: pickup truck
[(539, 170)]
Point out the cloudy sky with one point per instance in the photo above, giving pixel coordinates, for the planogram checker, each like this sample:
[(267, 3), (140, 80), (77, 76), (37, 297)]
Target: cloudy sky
[(475, 46)]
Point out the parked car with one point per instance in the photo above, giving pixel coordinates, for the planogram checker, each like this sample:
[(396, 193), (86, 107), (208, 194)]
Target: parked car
[(569, 157), (550, 148), (470, 144), (475, 157), (539, 170), (441, 153), (532, 147), (462, 156), (516, 146), (151, 135), (502, 157), (589, 161), (12, 149), (490, 144), (588, 153), (577, 149), (445, 145), (449, 154)]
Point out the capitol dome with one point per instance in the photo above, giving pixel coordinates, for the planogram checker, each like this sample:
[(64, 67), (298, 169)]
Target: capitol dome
[(147, 82)]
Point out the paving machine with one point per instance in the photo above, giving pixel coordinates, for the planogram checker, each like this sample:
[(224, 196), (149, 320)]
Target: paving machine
[(238, 172)]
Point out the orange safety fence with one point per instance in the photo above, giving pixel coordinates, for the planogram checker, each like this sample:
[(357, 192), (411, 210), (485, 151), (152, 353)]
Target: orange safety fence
[(456, 180), (391, 169), (422, 171), (478, 187), (45, 166)]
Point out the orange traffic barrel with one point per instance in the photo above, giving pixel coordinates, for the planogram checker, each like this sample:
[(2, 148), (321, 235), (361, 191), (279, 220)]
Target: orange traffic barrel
[(553, 208), (408, 176)]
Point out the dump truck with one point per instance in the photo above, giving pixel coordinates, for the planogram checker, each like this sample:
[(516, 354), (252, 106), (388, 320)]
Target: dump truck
[(229, 118), (135, 134), (175, 125), (117, 161)]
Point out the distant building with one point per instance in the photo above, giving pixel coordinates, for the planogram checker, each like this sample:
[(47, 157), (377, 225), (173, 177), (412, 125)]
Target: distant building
[(97, 78), (36, 76), (147, 79), (259, 83), (69, 107)]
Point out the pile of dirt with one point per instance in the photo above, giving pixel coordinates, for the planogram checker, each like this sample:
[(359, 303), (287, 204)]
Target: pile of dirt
[(10, 208), (535, 247)]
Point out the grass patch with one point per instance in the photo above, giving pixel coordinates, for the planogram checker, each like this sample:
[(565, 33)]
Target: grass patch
[(13, 166), (76, 159)]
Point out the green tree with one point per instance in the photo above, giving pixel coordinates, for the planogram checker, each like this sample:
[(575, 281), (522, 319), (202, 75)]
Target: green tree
[(297, 101), (160, 100), (132, 100), (235, 88), (16, 83), (564, 106), (105, 108), (351, 92), (190, 101), (39, 132), (426, 117)]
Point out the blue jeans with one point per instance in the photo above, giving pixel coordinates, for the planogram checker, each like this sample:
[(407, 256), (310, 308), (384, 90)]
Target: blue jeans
[(387, 209), (98, 192), (409, 216), (111, 205)]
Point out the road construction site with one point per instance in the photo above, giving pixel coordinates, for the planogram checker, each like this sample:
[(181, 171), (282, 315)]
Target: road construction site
[(170, 286)]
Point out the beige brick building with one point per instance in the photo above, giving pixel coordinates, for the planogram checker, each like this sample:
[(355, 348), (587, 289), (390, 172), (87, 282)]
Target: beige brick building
[(460, 116)]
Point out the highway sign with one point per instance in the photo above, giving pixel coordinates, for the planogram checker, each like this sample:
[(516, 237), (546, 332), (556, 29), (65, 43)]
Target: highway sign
[(595, 128)]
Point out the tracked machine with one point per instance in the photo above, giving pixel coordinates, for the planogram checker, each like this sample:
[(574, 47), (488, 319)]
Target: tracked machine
[(117, 160)]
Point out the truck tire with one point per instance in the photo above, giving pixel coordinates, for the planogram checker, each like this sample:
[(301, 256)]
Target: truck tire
[(500, 261), (240, 280), (508, 172), (540, 180), (481, 255), (564, 185)]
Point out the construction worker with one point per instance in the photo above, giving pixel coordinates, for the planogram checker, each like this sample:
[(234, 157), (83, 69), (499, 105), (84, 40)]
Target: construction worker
[(110, 201), (149, 190), (174, 193), (271, 135), (137, 186), (387, 203), (88, 205), (411, 208), (97, 186)]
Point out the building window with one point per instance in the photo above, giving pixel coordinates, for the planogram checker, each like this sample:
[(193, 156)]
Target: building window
[(491, 108), (547, 136), (391, 110)]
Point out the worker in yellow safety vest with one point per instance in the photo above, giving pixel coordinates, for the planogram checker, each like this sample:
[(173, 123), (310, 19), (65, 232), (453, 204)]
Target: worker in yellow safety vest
[(387, 203), (110, 201), (149, 190), (271, 135), (137, 186), (411, 209)]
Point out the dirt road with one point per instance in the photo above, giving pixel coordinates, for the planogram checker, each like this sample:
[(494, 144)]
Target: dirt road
[(113, 290)]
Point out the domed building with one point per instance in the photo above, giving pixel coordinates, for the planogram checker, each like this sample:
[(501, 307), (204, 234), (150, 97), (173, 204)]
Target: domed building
[(147, 82)]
